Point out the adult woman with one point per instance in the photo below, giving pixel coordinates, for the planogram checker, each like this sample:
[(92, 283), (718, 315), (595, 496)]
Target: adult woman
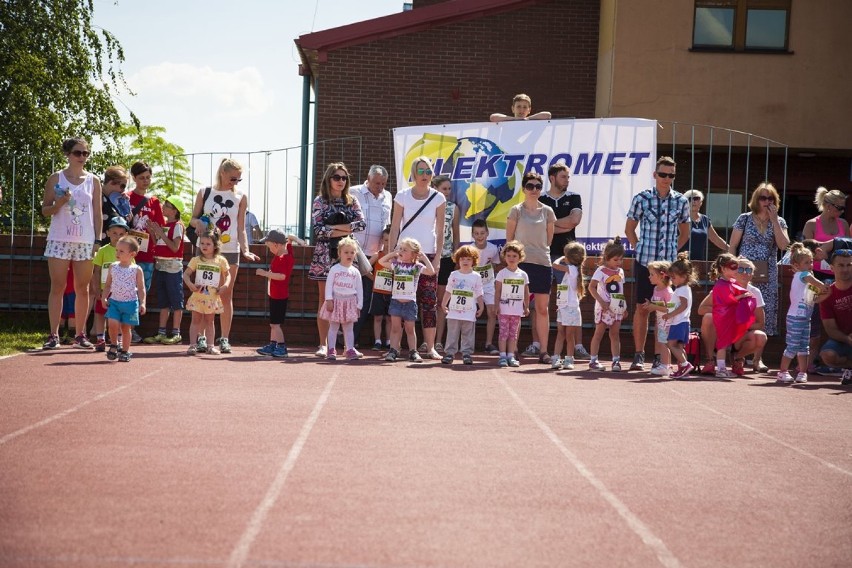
[(531, 222), (828, 224), (701, 229), (759, 235), (451, 242), (335, 214), (224, 208), (419, 212), (71, 197)]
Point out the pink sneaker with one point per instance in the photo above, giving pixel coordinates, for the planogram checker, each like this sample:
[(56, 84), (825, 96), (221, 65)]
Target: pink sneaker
[(331, 354), (353, 354), (682, 371)]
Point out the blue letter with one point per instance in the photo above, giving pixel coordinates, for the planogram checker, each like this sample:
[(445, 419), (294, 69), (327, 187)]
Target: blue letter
[(586, 164), (562, 157), (637, 160), (487, 163), (464, 166), (512, 162), (535, 163), (613, 163)]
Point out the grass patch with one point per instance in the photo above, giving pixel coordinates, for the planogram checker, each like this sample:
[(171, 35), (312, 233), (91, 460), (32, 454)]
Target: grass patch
[(21, 331)]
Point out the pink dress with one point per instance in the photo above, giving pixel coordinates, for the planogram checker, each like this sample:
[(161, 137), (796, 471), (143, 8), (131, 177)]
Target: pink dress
[(731, 317)]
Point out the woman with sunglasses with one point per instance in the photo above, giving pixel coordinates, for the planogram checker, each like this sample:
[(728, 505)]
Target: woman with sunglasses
[(827, 225), (532, 223), (224, 208), (701, 229), (419, 213), (335, 214), (71, 198), (759, 235)]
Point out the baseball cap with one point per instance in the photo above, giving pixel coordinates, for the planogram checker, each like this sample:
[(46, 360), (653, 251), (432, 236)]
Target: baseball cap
[(275, 236), (117, 222)]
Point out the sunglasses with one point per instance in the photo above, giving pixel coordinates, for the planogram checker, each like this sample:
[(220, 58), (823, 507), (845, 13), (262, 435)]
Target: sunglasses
[(338, 177), (744, 270), (664, 175), (840, 208), (81, 153), (121, 185), (421, 171), (841, 252), (533, 186), (236, 180), (695, 198), (767, 198)]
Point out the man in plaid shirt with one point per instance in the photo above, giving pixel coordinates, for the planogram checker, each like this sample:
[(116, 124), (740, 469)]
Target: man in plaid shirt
[(664, 217)]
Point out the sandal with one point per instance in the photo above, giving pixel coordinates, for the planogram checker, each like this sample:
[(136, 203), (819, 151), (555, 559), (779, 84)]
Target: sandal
[(544, 358)]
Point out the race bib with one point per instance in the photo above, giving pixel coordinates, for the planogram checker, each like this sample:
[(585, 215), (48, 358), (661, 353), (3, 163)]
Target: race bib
[(462, 302), (142, 238), (105, 273), (403, 286), (487, 273), (512, 290), (207, 275), (618, 304), (384, 281), (561, 295)]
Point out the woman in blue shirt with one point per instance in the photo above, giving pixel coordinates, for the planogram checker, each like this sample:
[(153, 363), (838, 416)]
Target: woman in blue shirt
[(701, 229)]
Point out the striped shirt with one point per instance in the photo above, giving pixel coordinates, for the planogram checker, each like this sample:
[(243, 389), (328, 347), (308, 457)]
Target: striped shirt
[(659, 220)]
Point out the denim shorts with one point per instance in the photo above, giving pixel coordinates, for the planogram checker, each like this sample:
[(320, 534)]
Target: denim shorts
[(406, 310), (124, 312), (169, 290), (842, 349)]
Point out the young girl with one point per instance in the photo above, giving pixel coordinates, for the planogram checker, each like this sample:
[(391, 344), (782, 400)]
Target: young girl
[(344, 296), (661, 303), (568, 296), (407, 262), (733, 310), (682, 275), (462, 303), (207, 276), (607, 288), (124, 297), (805, 290), (512, 287)]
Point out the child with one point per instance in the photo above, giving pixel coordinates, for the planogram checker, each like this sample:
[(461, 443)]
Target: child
[(682, 275), (168, 271), (521, 108), (745, 272), (512, 286), (380, 299), (68, 319), (568, 296), (661, 303), (124, 297), (463, 303), (805, 290), (344, 296), (607, 288), (487, 266), (116, 228), (207, 275), (733, 310), (278, 275), (407, 262)]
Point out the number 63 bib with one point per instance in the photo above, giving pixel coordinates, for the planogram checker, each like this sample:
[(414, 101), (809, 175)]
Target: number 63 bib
[(207, 275)]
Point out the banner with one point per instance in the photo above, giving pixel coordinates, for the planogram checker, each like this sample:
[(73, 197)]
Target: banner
[(611, 160)]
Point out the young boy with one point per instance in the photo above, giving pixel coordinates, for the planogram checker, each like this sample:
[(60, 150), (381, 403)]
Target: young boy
[(521, 109), (462, 302), (382, 289), (487, 266), (116, 228), (168, 270), (124, 297), (278, 275)]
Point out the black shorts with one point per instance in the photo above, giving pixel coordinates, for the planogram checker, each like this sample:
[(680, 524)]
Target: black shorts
[(644, 288), (541, 277), (277, 311), (446, 268), (379, 304)]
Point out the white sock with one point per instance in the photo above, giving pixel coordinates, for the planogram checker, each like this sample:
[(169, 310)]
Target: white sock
[(578, 346), (536, 344), (503, 354), (593, 358), (720, 364)]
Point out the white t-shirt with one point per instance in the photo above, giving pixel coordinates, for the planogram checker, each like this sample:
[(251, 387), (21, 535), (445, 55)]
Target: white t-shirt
[(405, 279), (610, 283), (682, 292), (464, 289), (566, 292), (758, 295), (802, 296), (514, 285), (423, 227), (489, 257)]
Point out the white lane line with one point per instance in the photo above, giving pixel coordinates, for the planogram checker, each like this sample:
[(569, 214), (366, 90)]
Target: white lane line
[(664, 555), (11, 436), (240, 554), (766, 435)]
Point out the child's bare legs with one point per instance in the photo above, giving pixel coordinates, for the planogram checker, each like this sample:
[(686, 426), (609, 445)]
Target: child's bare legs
[(615, 340), (209, 326), (114, 327), (276, 334), (568, 332), (490, 324), (177, 319), (196, 327), (595, 346), (377, 328), (560, 337), (410, 334), (396, 333), (663, 351), (164, 318), (676, 348)]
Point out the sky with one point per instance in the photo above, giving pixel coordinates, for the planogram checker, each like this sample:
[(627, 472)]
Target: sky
[(223, 77)]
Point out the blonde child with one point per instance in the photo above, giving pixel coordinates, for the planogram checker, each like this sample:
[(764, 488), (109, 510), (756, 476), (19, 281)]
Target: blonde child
[(568, 296), (487, 266), (124, 297), (733, 310), (207, 276), (805, 291), (521, 109), (408, 262), (607, 288), (278, 277), (682, 275), (381, 296), (168, 271), (512, 287), (660, 302), (462, 303), (116, 228), (344, 296)]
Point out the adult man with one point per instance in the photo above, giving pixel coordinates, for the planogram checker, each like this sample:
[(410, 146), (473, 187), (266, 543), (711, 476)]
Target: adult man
[(664, 217), (836, 312), (253, 230), (376, 205), (569, 212)]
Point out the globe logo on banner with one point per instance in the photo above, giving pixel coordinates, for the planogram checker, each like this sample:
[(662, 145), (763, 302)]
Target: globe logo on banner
[(489, 192)]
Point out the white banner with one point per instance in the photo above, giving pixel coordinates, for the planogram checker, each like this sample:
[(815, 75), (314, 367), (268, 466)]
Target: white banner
[(611, 159)]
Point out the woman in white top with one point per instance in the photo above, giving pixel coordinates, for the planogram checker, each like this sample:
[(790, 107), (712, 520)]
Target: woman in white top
[(225, 210), (418, 213), (72, 199)]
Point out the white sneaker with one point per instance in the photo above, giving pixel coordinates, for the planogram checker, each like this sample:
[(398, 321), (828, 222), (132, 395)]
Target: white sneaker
[(568, 363), (660, 370), (784, 377), (802, 378), (531, 351), (321, 352), (556, 363), (846, 379)]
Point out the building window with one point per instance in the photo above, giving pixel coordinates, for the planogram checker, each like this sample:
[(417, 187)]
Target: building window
[(741, 25)]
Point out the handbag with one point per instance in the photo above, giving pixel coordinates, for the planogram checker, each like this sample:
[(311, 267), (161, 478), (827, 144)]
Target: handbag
[(190, 232)]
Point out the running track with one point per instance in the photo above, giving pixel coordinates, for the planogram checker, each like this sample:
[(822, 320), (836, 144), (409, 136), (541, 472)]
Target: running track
[(243, 461)]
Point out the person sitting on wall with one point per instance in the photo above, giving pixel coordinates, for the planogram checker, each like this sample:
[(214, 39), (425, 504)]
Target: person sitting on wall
[(521, 109)]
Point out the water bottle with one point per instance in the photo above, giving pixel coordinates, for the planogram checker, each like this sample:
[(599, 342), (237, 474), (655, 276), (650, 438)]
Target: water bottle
[(58, 190)]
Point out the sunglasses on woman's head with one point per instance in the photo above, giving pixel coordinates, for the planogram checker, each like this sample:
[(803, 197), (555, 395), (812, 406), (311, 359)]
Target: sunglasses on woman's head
[(745, 270), (338, 177), (81, 153)]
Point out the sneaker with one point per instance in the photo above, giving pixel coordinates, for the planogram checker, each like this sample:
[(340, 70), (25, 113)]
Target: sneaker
[(596, 366), (784, 377), (387, 345), (503, 363), (514, 362), (709, 368), (224, 345), (467, 359), (173, 340), (414, 356), (377, 346), (392, 354), (100, 346), (638, 362), (135, 337), (846, 379), (737, 368), (447, 360), (51, 343), (761, 368), (568, 363), (193, 350), (124, 356), (656, 362), (802, 378), (491, 349), (321, 352), (556, 363), (682, 371), (580, 354), (439, 347), (544, 358), (82, 342), (280, 351), (267, 349), (827, 371), (112, 352), (724, 374), (214, 350), (423, 347), (331, 354), (531, 351), (159, 338), (432, 354), (660, 370), (353, 354), (201, 344), (616, 366)]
